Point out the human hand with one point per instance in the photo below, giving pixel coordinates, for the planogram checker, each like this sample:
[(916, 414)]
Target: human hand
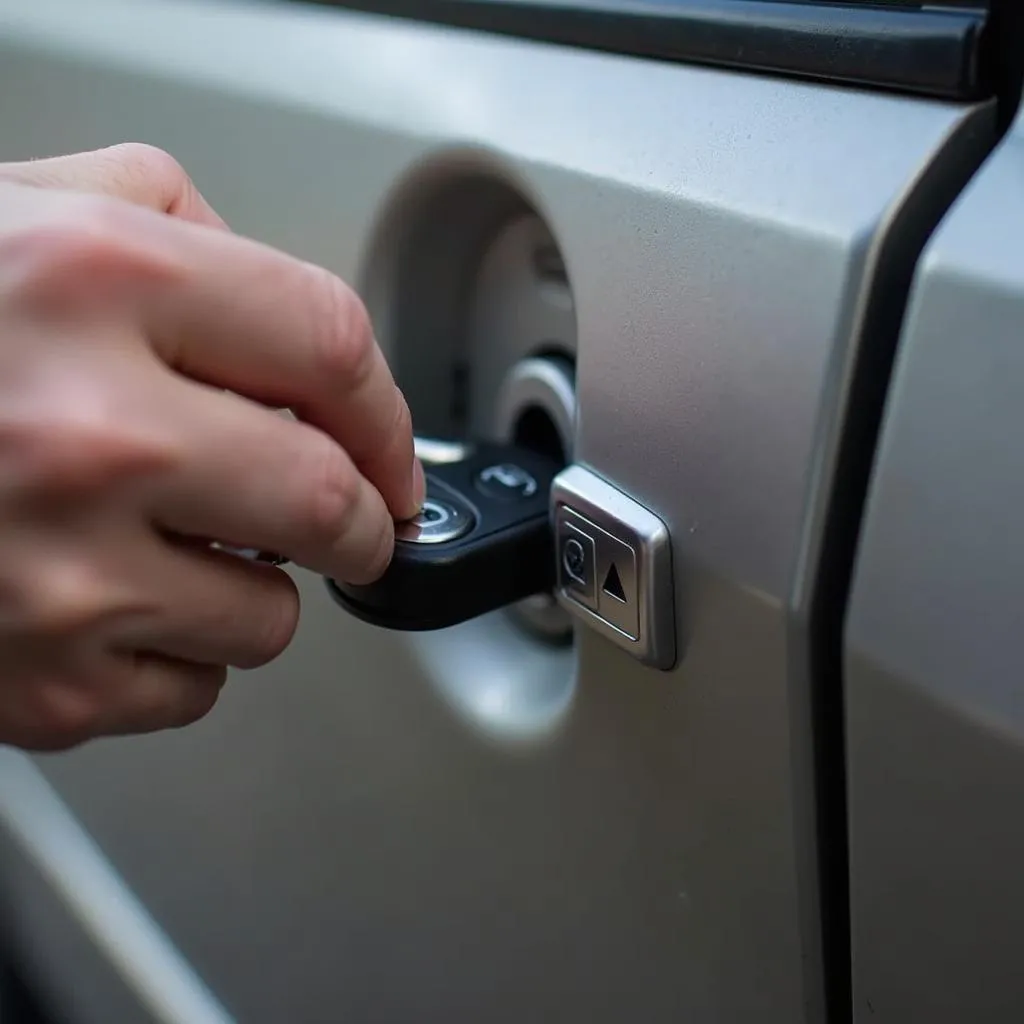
[(144, 349)]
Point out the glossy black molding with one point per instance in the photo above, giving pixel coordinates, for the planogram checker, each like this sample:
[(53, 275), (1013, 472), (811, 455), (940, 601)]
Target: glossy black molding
[(928, 50)]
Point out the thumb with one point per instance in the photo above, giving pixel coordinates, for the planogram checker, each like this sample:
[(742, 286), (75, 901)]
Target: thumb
[(132, 171)]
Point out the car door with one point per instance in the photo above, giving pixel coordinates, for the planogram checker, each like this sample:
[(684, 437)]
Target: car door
[(671, 245), (933, 669)]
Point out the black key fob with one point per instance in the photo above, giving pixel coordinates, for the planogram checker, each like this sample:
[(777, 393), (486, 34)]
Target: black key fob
[(483, 540)]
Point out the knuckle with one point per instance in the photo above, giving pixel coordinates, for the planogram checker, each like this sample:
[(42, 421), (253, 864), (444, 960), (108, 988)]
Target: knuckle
[(196, 699), (67, 714), (145, 168), (333, 496), (165, 695), (198, 705), (66, 597), (78, 256), (44, 259), (86, 451), (141, 161), (343, 336)]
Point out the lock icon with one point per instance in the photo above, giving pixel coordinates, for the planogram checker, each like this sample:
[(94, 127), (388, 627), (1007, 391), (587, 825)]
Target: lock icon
[(614, 565), (577, 556), (574, 558)]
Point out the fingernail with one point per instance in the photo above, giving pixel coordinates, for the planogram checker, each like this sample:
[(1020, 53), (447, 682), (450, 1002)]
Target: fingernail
[(419, 485)]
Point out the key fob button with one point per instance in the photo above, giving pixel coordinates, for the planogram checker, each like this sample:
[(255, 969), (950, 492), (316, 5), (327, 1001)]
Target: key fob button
[(482, 541), (506, 480), (438, 522)]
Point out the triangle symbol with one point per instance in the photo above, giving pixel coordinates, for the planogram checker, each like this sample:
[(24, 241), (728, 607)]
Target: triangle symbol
[(613, 585)]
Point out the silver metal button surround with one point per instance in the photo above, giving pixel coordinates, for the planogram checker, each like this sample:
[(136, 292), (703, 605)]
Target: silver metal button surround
[(438, 522), (625, 591)]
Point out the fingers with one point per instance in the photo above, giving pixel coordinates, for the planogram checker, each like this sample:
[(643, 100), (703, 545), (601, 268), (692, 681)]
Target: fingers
[(137, 173), (301, 339), (163, 666), (138, 639), (222, 309), (213, 608), (253, 479), (150, 692), (116, 694)]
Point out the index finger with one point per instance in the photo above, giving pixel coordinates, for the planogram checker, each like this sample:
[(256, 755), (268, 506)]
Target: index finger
[(243, 316), (132, 171)]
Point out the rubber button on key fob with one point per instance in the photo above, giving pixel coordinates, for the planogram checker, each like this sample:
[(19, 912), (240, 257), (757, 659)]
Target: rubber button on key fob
[(506, 481)]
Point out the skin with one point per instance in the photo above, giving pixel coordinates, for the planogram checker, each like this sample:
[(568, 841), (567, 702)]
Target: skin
[(144, 352)]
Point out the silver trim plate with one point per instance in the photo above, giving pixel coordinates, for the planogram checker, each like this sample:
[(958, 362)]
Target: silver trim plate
[(626, 592)]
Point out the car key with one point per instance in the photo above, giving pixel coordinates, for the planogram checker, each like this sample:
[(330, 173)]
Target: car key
[(482, 540)]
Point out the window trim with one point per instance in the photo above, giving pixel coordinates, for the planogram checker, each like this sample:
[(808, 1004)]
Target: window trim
[(934, 51)]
